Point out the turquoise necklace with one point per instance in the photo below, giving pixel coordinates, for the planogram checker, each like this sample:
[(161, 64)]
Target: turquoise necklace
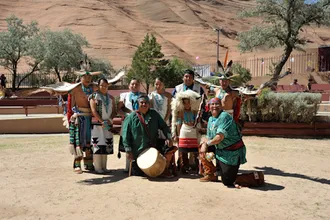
[(188, 117), (86, 90), (106, 101)]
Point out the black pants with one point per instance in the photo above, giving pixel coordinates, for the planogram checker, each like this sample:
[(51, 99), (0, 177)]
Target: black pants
[(228, 173), (136, 171)]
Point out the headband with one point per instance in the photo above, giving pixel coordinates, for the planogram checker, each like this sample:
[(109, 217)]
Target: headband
[(143, 98), (84, 73), (215, 100)]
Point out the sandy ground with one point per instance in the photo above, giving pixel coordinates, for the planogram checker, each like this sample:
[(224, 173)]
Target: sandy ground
[(36, 182)]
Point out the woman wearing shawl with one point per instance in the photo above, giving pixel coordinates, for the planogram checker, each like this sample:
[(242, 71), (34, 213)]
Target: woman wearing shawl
[(103, 109)]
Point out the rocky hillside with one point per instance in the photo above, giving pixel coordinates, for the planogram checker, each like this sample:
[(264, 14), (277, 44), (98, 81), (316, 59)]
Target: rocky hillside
[(114, 28)]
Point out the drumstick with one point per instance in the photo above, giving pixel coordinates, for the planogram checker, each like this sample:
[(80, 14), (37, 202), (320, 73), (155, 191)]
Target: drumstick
[(130, 168)]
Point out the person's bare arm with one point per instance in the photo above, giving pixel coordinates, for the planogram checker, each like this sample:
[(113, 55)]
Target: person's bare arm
[(227, 102), (169, 100), (122, 110), (178, 126), (216, 140)]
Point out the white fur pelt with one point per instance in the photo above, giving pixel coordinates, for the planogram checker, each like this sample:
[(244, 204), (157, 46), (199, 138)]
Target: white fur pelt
[(177, 104)]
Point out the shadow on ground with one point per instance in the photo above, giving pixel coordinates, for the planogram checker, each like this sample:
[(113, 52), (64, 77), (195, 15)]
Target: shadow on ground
[(114, 176), (278, 172)]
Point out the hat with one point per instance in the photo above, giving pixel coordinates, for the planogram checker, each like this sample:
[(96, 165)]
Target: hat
[(224, 77), (87, 73)]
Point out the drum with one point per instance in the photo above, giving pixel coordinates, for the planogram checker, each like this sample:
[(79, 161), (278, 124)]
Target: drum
[(151, 162)]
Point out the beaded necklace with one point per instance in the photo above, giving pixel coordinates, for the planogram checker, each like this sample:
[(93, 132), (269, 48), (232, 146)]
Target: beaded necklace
[(106, 101), (86, 90), (188, 117)]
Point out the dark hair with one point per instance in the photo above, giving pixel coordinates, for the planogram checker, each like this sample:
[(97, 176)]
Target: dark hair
[(137, 80), (102, 79), (190, 72), (162, 80)]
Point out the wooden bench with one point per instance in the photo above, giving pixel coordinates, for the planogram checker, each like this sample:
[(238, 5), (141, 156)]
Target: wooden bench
[(28, 103), (322, 88)]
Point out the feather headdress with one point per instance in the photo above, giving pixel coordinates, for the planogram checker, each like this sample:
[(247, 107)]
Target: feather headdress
[(177, 104)]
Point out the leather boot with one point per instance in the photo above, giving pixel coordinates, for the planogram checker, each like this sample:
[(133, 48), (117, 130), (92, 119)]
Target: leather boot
[(88, 159), (184, 162), (209, 170)]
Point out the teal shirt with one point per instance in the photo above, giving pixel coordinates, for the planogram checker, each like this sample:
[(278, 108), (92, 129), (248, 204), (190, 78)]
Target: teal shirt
[(135, 139), (226, 125)]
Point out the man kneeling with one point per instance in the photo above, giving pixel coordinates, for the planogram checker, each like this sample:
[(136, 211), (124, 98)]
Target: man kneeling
[(223, 133), (140, 132)]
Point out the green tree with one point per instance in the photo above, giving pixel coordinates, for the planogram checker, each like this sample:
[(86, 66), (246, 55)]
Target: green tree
[(103, 66), (146, 61), (283, 20), (15, 44), (62, 50), (241, 75), (172, 72)]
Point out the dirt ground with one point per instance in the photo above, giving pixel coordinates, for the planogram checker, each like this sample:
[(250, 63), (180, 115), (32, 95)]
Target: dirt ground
[(37, 182)]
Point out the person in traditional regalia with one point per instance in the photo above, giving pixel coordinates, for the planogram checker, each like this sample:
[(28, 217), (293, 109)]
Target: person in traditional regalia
[(78, 117), (160, 100), (140, 131), (103, 109), (230, 98), (128, 103), (230, 151), (185, 108)]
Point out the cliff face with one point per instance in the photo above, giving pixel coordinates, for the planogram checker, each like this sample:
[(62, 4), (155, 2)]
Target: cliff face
[(115, 28)]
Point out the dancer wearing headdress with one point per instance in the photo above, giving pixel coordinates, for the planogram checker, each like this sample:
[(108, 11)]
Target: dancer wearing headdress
[(185, 108)]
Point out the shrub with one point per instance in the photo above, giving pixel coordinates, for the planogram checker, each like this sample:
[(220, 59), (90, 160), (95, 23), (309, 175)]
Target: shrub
[(282, 107)]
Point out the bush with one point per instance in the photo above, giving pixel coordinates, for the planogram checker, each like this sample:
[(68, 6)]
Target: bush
[(282, 107)]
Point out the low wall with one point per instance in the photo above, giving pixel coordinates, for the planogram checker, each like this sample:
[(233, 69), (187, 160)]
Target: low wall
[(32, 125), (318, 129), (40, 125), (31, 110)]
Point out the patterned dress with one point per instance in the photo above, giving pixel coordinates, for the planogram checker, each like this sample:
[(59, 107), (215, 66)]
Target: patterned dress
[(102, 138)]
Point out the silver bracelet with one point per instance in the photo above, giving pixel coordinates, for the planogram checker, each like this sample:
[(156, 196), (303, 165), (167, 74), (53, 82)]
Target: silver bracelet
[(208, 143)]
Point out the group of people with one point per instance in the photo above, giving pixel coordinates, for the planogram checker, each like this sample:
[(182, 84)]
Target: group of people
[(158, 120)]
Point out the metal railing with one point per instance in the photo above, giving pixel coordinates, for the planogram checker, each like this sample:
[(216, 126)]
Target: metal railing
[(298, 63), (33, 80)]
